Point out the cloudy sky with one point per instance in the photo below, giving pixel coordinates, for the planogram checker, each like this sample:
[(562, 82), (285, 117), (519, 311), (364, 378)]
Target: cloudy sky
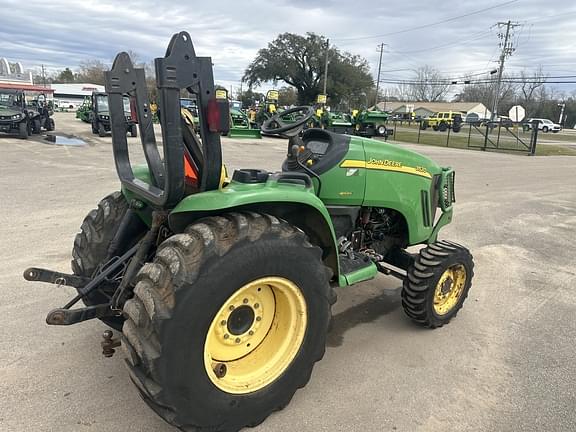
[(456, 37)]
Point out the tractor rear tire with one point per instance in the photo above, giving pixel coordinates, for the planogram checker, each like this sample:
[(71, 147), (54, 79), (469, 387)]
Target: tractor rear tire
[(181, 307), (437, 284), (23, 130), (91, 246), (435, 128), (442, 127)]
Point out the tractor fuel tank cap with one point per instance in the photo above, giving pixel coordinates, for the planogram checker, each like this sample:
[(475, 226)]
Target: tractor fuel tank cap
[(250, 176)]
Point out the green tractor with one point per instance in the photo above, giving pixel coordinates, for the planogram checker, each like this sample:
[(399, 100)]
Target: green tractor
[(84, 110), (371, 123), (223, 289), (240, 125)]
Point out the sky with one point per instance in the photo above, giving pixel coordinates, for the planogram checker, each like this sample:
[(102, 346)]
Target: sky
[(456, 38)]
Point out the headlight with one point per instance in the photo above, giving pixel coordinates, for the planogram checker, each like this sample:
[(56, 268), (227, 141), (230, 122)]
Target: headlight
[(447, 195), (104, 117), (16, 116)]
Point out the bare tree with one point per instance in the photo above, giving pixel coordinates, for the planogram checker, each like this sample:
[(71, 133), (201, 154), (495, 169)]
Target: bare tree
[(92, 71), (529, 86), (428, 85)]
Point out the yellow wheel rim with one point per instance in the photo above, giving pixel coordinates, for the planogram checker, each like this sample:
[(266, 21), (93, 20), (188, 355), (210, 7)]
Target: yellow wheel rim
[(255, 335), (449, 289)]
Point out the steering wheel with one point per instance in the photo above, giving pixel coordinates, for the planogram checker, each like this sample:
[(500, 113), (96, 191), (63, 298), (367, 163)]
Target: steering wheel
[(274, 125)]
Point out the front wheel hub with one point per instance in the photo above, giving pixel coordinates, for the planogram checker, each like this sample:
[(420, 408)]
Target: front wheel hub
[(449, 289)]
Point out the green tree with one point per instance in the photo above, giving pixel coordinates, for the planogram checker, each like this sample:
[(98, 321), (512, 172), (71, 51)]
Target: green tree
[(287, 96), (250, 97), (299, 61), (66, 76)]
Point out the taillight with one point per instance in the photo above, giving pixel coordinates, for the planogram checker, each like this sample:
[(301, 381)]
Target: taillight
[(217, 115)]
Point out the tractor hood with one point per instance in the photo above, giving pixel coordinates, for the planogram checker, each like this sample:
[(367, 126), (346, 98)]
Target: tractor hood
[(393, 158)]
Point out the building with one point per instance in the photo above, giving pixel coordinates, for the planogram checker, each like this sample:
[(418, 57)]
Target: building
[(427, 109), (13, 76), (71, 96), (14, 73)]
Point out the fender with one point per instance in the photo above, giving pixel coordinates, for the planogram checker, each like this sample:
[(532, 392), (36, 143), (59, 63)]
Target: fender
[(293, 202)]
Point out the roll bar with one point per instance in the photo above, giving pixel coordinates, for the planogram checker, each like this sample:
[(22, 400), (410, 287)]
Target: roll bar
[(179, 69)]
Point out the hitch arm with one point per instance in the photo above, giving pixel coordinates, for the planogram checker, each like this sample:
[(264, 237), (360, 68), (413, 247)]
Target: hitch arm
[(53, 277)]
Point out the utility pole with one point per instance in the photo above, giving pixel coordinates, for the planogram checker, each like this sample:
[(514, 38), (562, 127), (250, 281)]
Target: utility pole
[(381, 47), (507, 50), (43, 77), (326, 66)]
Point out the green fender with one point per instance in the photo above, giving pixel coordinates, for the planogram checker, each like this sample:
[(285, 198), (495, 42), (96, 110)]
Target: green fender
[(294, 203)]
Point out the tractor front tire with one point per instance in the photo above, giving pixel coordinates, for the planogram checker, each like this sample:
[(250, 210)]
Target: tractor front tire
[(437, 284), (442, 127), (227, 322), (50, 124), (133, 131), (91, 246), (381, 130)]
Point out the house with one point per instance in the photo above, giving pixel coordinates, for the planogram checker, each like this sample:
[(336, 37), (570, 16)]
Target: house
[(70, 96), (427, 109)]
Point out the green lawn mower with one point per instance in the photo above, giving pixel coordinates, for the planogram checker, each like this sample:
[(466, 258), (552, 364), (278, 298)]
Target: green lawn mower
[(223, 289)]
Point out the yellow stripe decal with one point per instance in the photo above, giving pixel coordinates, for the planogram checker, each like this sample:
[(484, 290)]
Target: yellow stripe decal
[(386, 165)]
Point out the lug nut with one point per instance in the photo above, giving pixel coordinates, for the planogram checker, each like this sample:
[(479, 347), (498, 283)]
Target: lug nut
[(237, 340), (258, 318), (250, 332), (245, 301), (231, 307), (226, 336), (223, 322), (220, 370), (256, 305)]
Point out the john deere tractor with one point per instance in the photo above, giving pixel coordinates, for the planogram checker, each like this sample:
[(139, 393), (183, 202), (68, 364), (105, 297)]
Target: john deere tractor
[(222, 289)]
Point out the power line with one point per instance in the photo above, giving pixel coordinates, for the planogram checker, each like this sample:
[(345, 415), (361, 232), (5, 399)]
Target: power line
[(431, 24), (474, 37)]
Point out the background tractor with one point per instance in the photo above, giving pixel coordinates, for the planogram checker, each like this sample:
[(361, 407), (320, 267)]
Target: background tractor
[(223, 288), (84, 110), (100, 115)]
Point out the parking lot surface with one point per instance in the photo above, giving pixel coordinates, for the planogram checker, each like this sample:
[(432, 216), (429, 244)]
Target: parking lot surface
[(506, 363)]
